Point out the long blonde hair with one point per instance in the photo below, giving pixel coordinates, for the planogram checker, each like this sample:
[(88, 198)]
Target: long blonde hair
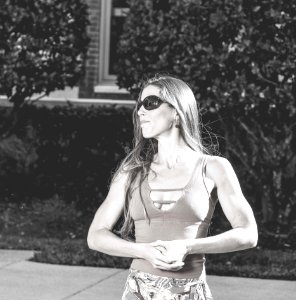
[(137, 163)]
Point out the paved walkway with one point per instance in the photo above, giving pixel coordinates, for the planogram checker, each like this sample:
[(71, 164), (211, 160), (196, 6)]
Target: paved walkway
[(21, 279)]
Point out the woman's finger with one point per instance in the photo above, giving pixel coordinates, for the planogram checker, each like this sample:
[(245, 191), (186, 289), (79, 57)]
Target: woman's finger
[(170, 267), (161, 249), (157, 243), (165, 258)]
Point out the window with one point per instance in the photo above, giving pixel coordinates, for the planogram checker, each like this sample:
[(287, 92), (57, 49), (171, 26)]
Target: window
[(112, 19)]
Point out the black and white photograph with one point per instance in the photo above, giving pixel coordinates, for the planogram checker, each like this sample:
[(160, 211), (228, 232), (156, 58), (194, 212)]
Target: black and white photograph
[(147, 150)]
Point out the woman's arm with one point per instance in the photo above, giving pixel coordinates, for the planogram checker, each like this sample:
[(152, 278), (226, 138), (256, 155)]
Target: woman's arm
[(101, 238), (237, 210)]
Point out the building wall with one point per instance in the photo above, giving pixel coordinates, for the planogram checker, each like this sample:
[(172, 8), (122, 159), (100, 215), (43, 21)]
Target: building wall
[(91, 77), (91, 85)]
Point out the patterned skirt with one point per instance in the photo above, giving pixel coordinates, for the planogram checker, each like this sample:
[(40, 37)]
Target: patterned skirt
[(144, 286)]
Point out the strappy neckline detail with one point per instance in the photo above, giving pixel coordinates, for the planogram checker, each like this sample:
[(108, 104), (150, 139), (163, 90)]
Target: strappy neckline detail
[(199, 163)]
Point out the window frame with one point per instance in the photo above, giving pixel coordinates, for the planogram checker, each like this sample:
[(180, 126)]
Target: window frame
[(106, 82)]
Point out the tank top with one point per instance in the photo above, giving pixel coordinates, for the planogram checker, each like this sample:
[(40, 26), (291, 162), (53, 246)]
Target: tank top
[(188, 218)]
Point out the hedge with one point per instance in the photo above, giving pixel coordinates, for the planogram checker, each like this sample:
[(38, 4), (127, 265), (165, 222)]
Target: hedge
[(66, 151), (70, 153)]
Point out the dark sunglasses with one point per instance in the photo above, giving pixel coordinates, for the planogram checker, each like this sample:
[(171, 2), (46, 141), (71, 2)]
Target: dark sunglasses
[(150, 102)]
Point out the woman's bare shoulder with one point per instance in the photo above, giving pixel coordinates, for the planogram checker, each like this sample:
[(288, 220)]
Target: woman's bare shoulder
[(217, 167), (120, 178), (215, 159)]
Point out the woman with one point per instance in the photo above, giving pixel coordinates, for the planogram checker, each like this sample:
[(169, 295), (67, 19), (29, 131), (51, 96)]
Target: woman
[(167, 188)]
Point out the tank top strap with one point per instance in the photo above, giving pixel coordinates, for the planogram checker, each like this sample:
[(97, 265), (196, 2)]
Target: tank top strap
[(195, 173), (204, 165), (204, 169)]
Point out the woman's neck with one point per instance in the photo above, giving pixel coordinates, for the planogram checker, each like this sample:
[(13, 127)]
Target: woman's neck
[(172, 152)]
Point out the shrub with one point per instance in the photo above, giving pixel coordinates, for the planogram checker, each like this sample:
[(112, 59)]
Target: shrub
[(42, 47), (41, 219), (75, 151), (16, 156), (228, 51), (70, 152), (239, 58), (76, 252), (256, 263), (57, 232)]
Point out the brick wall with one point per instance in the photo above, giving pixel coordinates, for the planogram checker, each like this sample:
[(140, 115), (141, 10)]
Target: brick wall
[(91, 77)]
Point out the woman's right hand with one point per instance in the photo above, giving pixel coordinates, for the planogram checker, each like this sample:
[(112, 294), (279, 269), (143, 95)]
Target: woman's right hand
[(158, 258)]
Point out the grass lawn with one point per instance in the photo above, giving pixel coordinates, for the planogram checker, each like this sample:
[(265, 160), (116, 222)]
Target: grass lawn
[(57, 231)]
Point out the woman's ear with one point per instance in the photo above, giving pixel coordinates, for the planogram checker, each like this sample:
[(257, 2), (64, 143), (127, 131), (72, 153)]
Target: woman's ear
[(177, 120)]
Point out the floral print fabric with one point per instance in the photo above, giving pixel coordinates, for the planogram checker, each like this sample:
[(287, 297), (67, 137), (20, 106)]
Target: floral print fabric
[(144, 286)]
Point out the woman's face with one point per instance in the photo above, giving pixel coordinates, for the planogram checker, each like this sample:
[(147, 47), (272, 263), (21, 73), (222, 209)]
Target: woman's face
[(156, 122)]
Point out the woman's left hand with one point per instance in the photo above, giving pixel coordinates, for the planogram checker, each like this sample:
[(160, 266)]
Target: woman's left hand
[(176, 250)]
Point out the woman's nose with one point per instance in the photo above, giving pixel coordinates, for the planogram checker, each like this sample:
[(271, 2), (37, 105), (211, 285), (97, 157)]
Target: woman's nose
[(141, 111)]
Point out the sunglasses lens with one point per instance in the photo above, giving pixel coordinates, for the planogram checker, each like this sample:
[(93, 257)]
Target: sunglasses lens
[(150, 102)]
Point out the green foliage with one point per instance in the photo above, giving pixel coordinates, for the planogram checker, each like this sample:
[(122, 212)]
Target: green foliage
[(41, 219), (76, 252), (256, 263), (259, 141), (57, 231), (16, 156), (65, 151), (42, 46), (228, 51), (239, 58)]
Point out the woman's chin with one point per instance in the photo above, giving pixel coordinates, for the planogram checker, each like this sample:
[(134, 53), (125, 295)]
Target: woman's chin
[(147, 135)]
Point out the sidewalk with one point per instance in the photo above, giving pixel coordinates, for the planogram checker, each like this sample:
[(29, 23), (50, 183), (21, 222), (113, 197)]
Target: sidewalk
[(21, 279)]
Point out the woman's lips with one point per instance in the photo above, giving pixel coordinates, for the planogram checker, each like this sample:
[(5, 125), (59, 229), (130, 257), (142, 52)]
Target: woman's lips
[(143, 123)]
